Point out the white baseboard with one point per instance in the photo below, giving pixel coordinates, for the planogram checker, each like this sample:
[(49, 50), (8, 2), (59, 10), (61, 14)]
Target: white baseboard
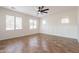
[(61, 36)]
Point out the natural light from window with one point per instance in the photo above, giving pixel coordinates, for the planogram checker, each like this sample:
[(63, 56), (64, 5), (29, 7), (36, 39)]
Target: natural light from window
[(18, 22), (65, 20), (33, 24), (9, 22), (43, 22), (13, 23)]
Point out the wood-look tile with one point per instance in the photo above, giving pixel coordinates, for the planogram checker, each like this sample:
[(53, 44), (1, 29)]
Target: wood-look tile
[(39, 43)]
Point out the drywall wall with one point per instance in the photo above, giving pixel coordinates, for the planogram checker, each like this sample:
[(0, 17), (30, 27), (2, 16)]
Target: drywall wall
[(78, 24), (54, 26), (15, 33)]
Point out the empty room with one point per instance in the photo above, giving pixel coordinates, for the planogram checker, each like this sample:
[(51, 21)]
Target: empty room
[(39, 29)]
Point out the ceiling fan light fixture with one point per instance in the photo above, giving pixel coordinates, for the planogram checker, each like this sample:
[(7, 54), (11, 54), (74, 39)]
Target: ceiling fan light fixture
[(39, 12), (42, 10)]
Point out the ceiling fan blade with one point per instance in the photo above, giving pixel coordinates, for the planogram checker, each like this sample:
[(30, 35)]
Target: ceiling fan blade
[(45, 10), (42, 7), (39, 7)]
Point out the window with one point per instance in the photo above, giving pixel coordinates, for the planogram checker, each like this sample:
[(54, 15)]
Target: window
[(13, 22), (43, 22), (65, 20), (18, 23), (9, 22), (33, 24)]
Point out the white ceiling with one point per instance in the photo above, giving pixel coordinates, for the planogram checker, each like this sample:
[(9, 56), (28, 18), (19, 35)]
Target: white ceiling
[(32, 10)]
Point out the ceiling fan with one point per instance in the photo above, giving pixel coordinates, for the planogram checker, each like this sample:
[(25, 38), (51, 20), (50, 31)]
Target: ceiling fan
[(42, 10)]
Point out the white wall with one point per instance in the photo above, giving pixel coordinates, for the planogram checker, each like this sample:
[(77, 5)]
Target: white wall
[(78, 24), (53, 24), (11, 34)]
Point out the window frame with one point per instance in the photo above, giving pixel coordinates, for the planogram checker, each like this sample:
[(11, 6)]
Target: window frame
[(65, 20), (32, 24), (15, 23)]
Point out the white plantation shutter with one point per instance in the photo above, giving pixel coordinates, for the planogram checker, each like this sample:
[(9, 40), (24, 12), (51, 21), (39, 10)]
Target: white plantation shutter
[(9, 22), (33, 24), (13, 23), (18, 23)]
